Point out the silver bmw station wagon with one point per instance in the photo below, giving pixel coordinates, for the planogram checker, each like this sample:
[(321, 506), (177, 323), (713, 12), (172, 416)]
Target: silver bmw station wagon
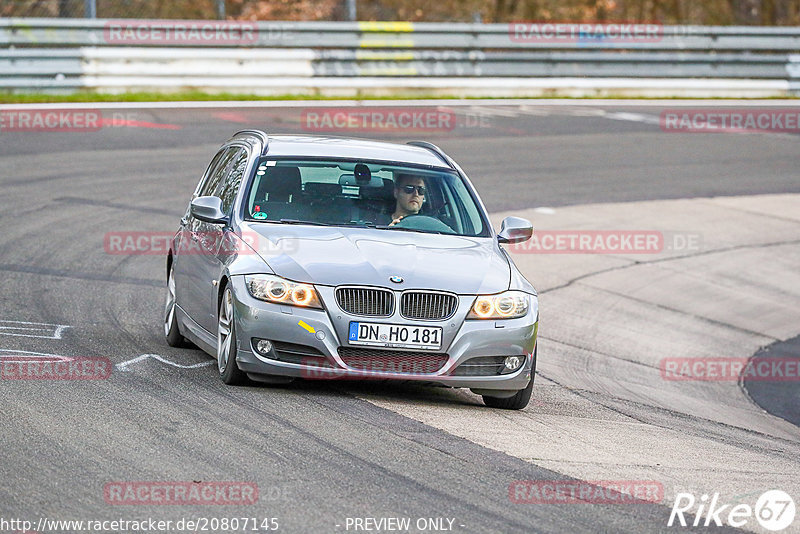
[(332, 258)]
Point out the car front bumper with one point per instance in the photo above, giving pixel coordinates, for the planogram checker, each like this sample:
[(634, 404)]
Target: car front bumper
[(325, 331)]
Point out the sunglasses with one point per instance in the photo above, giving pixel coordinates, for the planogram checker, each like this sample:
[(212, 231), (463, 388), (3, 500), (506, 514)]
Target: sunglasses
[(409, 189)]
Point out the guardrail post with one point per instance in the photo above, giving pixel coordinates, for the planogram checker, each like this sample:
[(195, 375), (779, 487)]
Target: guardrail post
[(90, 9), (221, 9), (793, 70), (351, 10)]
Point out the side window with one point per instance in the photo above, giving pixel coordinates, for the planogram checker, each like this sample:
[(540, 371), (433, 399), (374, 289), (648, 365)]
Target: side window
[(218, 173), (211, 168), (228, 187)]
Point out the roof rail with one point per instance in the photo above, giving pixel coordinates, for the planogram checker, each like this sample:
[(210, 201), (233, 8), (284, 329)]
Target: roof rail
[(259, 134), (435, 149)]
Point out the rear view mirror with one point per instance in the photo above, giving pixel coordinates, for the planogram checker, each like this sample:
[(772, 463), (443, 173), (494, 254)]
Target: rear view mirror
[(350, 179), (208, 209), (515, 230)]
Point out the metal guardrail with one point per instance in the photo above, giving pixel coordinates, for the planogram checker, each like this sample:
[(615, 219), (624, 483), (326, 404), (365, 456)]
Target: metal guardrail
[(72, 53), (793, 69), (406, 35)]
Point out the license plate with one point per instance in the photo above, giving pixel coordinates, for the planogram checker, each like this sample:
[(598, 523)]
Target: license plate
[(395, 335)]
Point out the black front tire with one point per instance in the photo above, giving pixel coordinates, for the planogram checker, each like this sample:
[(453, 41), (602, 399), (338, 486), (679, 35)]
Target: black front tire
[(517, 401), (231, 374), (171, 330), (174, 337)]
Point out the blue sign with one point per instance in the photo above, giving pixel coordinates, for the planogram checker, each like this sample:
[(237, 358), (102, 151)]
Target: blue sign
[(353, 332)]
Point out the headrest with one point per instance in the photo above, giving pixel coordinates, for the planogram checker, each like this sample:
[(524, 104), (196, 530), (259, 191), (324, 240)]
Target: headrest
[(279, 183), (382, 193)]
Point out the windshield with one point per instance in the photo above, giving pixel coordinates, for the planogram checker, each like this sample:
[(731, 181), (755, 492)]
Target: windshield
[(348, 193)]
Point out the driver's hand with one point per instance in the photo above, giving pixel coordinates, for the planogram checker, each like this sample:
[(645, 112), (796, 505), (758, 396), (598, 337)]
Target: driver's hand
[(395, 221)]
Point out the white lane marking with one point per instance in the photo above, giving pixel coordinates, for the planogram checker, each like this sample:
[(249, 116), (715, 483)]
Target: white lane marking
[(491, 111), (39, 330), (544, 211), (379, 103), (577, 112), (28, 355), (633, 117), (124, 365), (582, 112), (528, 110)]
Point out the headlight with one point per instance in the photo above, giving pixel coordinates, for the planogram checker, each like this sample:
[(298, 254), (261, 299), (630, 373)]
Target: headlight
[(508, 305), (275, 289)]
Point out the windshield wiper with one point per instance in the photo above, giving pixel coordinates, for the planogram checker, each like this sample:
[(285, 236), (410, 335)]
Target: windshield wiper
[(401, 229), (298, 221), (365, 224)]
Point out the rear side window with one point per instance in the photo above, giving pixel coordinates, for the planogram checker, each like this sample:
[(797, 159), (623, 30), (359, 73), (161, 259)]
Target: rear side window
[(228, 187), (209, 171), (218, 173)]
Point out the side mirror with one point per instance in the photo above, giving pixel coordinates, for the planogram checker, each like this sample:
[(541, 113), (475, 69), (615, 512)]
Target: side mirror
[(208, 209), (515, 230)]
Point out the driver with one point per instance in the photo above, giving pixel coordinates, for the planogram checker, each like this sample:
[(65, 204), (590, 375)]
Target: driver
[(409, 191)]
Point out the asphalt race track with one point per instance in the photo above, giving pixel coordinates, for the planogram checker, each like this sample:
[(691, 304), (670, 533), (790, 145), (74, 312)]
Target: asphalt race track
[(323, 453)]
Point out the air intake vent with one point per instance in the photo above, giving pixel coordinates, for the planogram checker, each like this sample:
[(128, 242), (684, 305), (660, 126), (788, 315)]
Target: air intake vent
[(392, 361), (428, 305), (481, 366), (365, 301)]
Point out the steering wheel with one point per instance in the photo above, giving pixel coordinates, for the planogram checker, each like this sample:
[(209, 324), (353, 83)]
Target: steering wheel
[(416, 221)]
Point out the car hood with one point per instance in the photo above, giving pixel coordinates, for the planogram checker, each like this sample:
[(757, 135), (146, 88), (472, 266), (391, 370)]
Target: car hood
[(365, 256)]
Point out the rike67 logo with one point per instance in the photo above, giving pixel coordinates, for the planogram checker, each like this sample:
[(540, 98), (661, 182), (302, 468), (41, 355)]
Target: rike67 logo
[(774, 510)]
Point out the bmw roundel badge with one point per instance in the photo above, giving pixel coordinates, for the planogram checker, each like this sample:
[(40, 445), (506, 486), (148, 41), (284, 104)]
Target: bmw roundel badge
[(396, 279)]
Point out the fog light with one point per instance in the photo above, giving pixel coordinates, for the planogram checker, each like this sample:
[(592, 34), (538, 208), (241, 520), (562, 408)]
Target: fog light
[(513, 363), (264, 347)]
